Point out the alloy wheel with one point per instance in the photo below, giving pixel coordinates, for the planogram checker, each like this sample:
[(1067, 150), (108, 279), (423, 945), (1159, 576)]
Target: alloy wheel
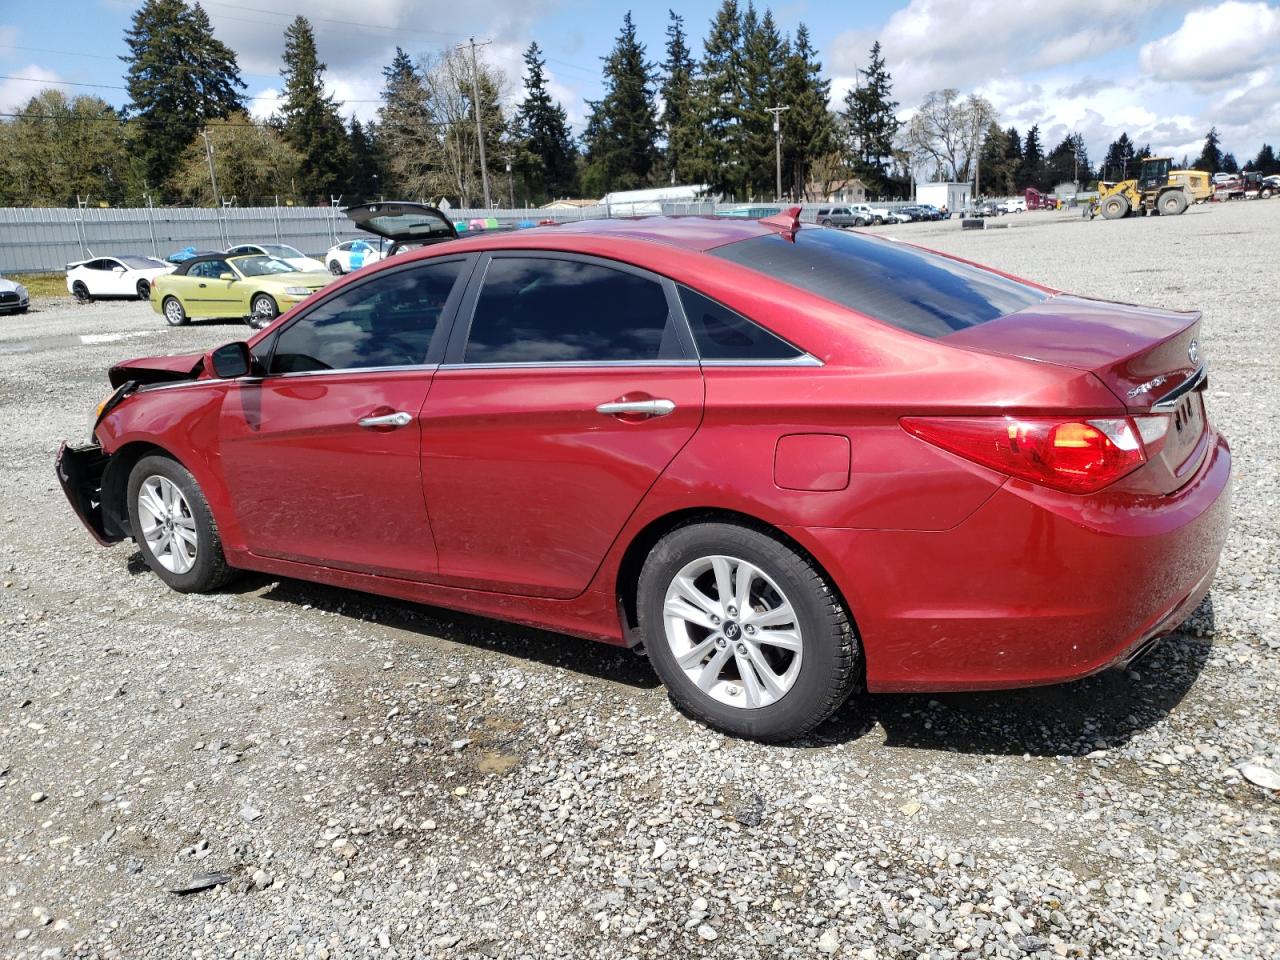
[(168, 526), (733, 632), (173, 311)]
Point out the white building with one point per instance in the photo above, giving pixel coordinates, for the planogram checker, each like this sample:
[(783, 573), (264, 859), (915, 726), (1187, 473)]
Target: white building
[(953, 196), (634, 203)]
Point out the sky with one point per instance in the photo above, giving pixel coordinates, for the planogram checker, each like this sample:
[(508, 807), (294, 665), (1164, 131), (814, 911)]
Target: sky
[(1162, 70)]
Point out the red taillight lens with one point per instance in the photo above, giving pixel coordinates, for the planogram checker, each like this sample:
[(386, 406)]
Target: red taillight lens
[(1076, 456)]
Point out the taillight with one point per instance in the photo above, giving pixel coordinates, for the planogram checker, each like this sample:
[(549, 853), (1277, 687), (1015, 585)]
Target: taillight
[(1075, 456)]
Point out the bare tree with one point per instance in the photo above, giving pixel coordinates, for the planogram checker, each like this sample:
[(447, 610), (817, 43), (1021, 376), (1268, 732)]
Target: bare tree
[(946, 132)]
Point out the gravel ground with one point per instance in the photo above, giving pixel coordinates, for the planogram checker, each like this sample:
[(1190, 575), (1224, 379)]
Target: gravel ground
[(381, 779)]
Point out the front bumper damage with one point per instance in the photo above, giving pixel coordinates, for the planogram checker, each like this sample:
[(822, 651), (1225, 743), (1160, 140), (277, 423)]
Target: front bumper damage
[(80, 470)]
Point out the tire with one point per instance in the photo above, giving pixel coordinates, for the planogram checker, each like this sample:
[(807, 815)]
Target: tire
[(335, 268), (80, 291), (807, 683), (1172, 203), (173, 506), (860, 222), (144, 290), (174, 312), (1265, 193), (827, 223), (265, 309), (1114, 208)]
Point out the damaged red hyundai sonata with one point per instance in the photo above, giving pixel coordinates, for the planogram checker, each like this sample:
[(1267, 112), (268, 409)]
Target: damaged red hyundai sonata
[(789, 461)]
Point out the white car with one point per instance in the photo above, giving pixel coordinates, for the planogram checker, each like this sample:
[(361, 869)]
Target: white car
[(13, 297), (279, 251), (1014, 205), (129, 275), (353, 254)]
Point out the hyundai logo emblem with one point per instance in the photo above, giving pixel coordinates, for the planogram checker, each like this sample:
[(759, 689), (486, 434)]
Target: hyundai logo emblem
[(1193, 351), (731, 630)]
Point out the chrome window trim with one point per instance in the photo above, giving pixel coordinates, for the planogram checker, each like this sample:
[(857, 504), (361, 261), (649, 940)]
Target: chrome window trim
[(1169, 402), (803, 360), (567, 364), (420, 367)]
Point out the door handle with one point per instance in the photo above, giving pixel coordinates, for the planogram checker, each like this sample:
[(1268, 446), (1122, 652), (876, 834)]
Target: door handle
[(203, 284), (636, 408), (389, 421)]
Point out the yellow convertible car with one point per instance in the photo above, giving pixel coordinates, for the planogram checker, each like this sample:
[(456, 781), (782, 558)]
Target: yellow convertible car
[(256, 288)]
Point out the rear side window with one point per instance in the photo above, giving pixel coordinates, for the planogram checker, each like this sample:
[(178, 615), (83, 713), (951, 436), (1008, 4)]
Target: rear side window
[(545, 310), (386, 322), (721, 334), (907, 288)]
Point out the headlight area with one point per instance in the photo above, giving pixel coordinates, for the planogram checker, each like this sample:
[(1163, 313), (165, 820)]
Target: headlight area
[(297, 292)]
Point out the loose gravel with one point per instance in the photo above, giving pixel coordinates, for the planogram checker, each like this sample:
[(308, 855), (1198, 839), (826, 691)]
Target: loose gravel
[(335, 775)]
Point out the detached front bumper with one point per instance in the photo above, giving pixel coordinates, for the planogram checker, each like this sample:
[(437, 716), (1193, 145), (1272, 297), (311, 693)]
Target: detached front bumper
[(80, 470)]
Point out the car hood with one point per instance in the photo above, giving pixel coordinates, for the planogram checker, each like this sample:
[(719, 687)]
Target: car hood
[(143, 370), (9, 286)]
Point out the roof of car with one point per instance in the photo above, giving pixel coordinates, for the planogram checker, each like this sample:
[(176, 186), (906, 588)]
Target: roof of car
[(201, 258), (688, 232)]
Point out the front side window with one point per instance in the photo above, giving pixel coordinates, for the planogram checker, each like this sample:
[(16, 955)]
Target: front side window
[(722, 334), (387, 321), (920, 292), (545, 310), (210, 269)]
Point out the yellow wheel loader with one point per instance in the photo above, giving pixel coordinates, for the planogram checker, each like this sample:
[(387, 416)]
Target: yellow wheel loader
[(1152, 192)]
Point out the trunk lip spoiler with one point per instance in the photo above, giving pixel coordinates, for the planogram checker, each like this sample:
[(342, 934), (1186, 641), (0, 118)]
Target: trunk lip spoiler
[(1169, 402)]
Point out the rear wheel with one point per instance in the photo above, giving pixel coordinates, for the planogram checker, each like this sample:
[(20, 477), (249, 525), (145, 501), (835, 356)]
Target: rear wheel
[(335, 268), (144, 290), (745, 632), (1172, 203), (1113, 208), (80, 291), (174, 312), (827, 222), (174, 528)]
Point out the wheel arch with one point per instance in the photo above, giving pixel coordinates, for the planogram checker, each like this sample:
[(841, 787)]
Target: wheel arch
[(115, 484), (627, 579)]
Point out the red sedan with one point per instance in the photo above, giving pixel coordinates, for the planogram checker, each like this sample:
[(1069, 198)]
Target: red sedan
[(788, 461)]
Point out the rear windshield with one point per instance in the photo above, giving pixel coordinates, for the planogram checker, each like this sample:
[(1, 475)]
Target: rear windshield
[(899, 285)]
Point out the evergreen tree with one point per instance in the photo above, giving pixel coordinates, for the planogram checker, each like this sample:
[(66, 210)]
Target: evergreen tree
[(547, 159), (1265, 162), (622, 132), (808, 130), (1031, 173), (179, 77), (312, 124), (1068, 162), (1120, 162), (364, 171), (871, 121), (1210, 159), (764, 57), (996, 169), (405, 133), (718, 102), (678, 116), (1229, 163)]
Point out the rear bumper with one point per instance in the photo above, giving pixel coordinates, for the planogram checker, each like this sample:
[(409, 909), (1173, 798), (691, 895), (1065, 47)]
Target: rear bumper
[(1035, 587), (79, 471)]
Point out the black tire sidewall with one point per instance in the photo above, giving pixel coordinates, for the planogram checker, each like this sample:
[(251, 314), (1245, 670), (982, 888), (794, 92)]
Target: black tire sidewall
[(335, 268), (143, 284), (814, 695), (81, 292), (265, 316), (206, 572)]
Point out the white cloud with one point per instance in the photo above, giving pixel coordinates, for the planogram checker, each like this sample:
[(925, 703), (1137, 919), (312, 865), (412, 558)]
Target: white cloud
[(14, 94), (1216, 44)]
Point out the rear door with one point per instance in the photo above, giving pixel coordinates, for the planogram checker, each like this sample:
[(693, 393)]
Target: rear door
[(323, 455), (569, 385)]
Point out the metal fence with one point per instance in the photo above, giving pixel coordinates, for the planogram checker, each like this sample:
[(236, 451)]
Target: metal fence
[(40, 239)]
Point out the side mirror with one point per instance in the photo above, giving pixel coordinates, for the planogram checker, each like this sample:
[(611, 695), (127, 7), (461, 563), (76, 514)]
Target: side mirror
[(226, 276), (231, 360), (117, 269)]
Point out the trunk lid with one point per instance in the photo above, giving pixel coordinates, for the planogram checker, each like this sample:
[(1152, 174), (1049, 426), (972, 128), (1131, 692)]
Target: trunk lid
[(403, 222), (1149, 358)]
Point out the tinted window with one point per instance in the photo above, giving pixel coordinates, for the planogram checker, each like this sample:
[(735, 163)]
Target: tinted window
[(541, 310), (916, 291), (722, 334), (209, 269), (141, 263), (386, 322)]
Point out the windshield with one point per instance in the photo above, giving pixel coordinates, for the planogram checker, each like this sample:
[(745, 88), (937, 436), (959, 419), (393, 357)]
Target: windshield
[(921, 292), (281, 251), (261, 266)]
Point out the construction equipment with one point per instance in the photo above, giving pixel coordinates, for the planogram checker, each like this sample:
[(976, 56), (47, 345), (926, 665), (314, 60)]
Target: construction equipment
[(1151, 193), (1197, 183)]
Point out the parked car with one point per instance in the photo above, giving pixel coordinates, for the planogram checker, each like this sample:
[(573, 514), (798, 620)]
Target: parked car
[(786, 461), (13, 297), (280, 251), (129, 275), (989, 208), (1014, 205), (254, 288), (915, 212), (935, 213), (841, 217), (351, 255)]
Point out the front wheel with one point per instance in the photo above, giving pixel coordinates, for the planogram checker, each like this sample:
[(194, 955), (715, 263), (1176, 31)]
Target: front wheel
[(174, 528), (746, 633), (265, 310)]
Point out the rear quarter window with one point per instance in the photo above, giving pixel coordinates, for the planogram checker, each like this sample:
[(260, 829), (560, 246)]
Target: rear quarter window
[(910, 289)]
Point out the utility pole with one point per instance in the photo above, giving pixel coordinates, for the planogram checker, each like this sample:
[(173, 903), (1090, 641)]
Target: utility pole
[(208, 153), (777, 144), (475, 103), (511, 183)]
